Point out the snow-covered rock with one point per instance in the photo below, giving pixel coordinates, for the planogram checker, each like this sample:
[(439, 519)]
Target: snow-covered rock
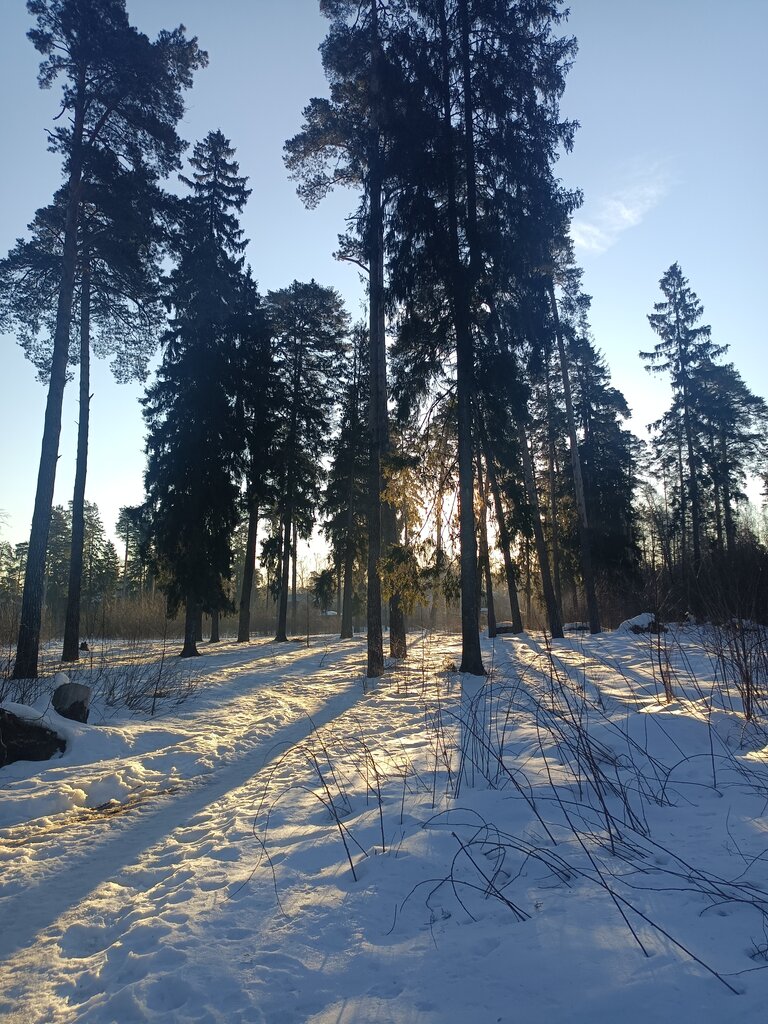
[(645, 622)]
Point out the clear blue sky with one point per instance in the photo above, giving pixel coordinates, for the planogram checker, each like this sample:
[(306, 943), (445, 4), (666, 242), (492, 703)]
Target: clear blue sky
[(671, 157)]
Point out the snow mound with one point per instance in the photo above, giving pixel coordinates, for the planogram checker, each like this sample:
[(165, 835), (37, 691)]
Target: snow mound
[(645, 622)]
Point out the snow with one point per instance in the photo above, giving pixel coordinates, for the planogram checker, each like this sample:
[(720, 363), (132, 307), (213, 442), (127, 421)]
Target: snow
[(297, 845), (639, 623)]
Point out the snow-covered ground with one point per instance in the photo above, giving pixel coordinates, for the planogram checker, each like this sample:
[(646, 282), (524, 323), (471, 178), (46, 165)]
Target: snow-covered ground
[(293, 845)]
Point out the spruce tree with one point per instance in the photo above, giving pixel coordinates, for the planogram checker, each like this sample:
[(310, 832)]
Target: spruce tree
[(734, 424), (258, 397), (195, 443), (685, 347), (310, 328)]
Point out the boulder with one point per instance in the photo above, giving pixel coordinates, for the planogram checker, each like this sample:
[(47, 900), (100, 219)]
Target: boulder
[(22, 740), (71, 700)]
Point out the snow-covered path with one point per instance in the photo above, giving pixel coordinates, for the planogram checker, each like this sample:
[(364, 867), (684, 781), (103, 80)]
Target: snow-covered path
[(77, 885)]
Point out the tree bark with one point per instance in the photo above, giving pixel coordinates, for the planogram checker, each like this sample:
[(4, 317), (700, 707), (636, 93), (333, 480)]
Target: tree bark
[(347, 628), (288, 494), (439, 556), (191, 615), (471, 657), (730, 525), (485, 557), (294, 600), (215, 638), (552, 473), (28, 645), (377, 407), (249, 569), (398, 642), (693, 485), (281, 635), (71, 649), (553, 612), (716, 494), (685, 568), (505, 541)]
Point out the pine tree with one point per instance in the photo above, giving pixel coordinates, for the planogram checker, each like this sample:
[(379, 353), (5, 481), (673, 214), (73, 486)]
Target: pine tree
[(115, 301), (345, 140), (123, 93), (478, 213)]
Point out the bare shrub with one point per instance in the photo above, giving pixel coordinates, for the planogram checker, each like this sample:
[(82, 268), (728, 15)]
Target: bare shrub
[(135, 674), (740, 649)]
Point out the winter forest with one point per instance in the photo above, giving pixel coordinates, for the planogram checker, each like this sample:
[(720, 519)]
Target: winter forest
[(492, 715)]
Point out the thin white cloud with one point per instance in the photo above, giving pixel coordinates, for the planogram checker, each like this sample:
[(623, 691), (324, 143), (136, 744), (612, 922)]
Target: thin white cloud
[(596, 231)]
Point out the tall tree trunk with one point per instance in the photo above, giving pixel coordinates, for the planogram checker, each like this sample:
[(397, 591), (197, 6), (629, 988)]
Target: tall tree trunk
[(249, 569), (439, 556), (285, 561), (192, 613), (199, 623), (215, 637), (471, 657), (347, 627), (485, 557), (552, 472), (585, 541), (554, 529), (685, 568), (28, 645), (377, 408), (347, 566), (124, 587), (398, 642), (528, 581), (71, 650), (717, 494), (730, 525), (693, 483), (288, 497), (294, 569), (505, 541), (553, 612)]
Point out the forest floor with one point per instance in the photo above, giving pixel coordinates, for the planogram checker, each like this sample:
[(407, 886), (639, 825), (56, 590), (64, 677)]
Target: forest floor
[(293, 844)]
